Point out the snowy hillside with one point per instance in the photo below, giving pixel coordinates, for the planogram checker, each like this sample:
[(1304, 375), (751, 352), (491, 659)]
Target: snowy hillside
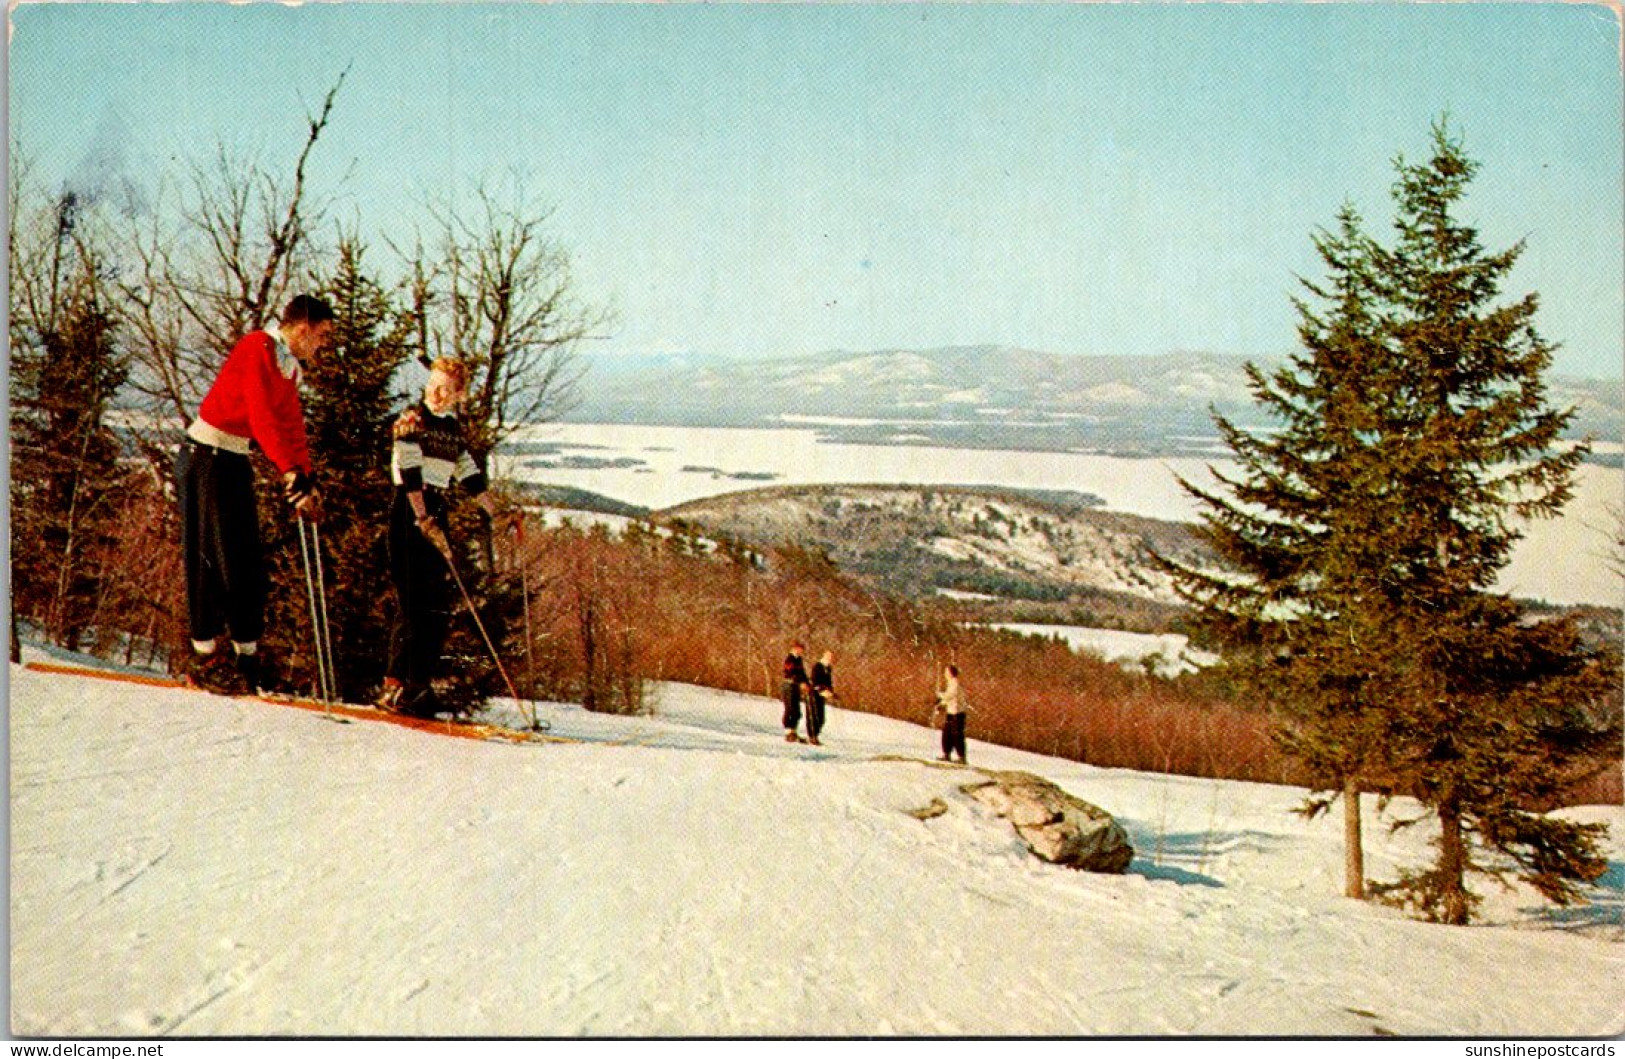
[(192, 865), (916, 540)]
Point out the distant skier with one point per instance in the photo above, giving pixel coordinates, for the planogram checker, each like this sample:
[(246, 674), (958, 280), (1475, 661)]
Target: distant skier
[(795, 688), (952, 707), (254, 400), (429, 454), (822, 692)]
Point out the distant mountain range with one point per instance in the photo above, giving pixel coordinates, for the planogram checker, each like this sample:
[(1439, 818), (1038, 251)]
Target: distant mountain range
[(975, 396)]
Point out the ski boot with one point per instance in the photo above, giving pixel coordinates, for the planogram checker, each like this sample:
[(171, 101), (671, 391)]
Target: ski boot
[(218, 672), (251, 667), (389, 696), (409, 700)]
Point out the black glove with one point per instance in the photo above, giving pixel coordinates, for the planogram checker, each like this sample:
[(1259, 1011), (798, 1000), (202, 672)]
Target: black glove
[(300, 490)]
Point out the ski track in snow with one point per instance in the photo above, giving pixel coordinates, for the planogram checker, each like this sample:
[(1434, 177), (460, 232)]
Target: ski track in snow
[(183, 864)]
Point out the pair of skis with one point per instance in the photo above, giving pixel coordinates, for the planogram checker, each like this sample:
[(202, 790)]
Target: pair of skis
[(342, 712), (310, 552)]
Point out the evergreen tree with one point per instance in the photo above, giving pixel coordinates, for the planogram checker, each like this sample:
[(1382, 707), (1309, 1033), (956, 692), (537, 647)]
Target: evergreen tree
[(1304, 618), (349, 406), (67, 364), (1495, 717), (1487, 720), (1362, 540)]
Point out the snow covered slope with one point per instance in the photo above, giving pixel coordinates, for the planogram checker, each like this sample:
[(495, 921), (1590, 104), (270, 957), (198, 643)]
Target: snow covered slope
[(192, 865)]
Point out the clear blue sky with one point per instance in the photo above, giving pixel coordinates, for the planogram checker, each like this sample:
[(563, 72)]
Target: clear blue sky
[(768, 180)]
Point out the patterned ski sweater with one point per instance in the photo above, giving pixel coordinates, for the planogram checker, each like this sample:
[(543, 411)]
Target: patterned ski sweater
[(429, 453)]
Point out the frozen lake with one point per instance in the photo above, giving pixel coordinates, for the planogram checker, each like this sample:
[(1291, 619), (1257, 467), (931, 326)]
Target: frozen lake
[(1563, 561), (658, 467)]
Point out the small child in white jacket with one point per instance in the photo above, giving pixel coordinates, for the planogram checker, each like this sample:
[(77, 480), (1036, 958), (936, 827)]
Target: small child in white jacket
[(952, 705)]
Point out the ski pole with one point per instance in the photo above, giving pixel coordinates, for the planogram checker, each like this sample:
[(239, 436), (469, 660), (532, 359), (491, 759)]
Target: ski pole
[(310, 597), (316, 592), (530, 660), (468, 601), (304, 561), (522, 561), (331, 673)]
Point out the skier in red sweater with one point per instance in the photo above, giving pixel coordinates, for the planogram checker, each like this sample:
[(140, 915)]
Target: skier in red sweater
[(254, 399)]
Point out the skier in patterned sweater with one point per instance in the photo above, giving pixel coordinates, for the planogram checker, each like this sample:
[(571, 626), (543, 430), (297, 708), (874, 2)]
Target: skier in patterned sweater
[(428, 455), (254, 401)]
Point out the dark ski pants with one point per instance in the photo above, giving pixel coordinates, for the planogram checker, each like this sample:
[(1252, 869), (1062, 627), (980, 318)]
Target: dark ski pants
[(953, 735), (422, 596), (815, 714), (792, 705), (226, 583)]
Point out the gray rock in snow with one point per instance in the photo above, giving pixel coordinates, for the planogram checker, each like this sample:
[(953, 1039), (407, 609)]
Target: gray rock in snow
[(1056, 826)]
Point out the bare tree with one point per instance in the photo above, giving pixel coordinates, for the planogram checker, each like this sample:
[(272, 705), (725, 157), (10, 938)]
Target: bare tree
[(35, 245), (490, 287), (220, 264), (586, 644)]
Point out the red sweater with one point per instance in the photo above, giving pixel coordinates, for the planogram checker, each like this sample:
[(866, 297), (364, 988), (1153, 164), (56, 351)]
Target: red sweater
[(256, 396)]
